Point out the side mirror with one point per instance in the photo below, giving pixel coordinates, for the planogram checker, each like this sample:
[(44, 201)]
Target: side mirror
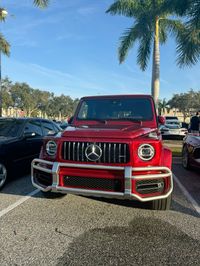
[(29, 134), (161, 120), (70, 120)]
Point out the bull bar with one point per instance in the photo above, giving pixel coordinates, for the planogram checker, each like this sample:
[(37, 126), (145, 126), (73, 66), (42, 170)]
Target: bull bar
[(90, 192)]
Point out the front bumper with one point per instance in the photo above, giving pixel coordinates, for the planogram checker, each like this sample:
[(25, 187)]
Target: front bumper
[(53, 168)]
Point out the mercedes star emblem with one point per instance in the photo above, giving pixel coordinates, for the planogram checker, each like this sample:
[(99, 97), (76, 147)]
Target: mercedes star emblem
[(93, 152)]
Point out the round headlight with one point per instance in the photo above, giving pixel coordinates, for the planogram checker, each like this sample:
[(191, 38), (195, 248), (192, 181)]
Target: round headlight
[(51, 147), (146, 152)]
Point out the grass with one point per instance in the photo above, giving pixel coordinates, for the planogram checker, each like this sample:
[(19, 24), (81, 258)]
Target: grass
[(175, 146), (176, 151)]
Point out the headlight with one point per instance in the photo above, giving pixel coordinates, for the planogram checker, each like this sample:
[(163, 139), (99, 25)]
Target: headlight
[(146, 152), (51, 147)]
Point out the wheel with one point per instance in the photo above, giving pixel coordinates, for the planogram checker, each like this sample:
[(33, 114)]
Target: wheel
[(3, 175), (185, 158), (161, 204), (52, 195)]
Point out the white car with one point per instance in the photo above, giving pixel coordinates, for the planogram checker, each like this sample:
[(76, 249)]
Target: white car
[(173, 128)]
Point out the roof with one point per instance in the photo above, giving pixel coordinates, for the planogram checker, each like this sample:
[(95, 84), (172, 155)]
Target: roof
[(118, 96)]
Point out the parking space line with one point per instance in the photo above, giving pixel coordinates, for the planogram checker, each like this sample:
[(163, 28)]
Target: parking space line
[(187, 195), (34, 192), (18, 202)]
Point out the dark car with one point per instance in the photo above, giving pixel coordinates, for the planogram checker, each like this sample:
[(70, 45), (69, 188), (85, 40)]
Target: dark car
[(191, 151), (20, 142)]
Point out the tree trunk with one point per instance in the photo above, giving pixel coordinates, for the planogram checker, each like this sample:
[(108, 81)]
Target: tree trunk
[(155, 83)]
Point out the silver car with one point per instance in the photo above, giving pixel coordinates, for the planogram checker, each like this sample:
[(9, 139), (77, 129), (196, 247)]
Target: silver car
[(173, 128)]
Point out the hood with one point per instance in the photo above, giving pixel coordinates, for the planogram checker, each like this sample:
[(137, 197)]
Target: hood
[(130, 132)]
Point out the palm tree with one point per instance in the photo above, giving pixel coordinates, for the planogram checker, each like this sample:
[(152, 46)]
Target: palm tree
[(4, 45), (163, 105), (151, 23), (188, 47), (5, 49)]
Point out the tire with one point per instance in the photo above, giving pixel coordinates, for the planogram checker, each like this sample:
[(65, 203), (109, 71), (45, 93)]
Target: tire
[(52, 195), (3, 175), (161, 204), (185, 158)]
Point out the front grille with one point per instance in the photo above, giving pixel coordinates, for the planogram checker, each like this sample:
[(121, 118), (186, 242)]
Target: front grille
[(197, 153), (105, 184), (44, 179), (150, 186), (111, 152)]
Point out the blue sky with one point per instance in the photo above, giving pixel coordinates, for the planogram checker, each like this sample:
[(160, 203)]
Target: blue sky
[(71, 48)]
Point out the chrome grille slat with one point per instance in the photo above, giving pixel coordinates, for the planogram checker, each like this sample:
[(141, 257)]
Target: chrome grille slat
[(114, 153), (109, 146), (73, 152), (69, 146), (82, 151), (124, 153), (120, 150), (104, 152), (111, 152), (100, 145), (64, 147), (78, 151)]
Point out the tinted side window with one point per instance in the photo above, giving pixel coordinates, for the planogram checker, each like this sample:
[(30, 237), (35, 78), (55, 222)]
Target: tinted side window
[(33, 126), (48, 128)]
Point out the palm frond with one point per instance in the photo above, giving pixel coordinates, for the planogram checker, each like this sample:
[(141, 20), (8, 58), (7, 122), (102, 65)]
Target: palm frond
[(195, 14), (174, 27), (188, 47), (41, 3), (127, 8), (127, 42), (178, 7), (4, 45), (162, 31), (3, 14), (144, 50)]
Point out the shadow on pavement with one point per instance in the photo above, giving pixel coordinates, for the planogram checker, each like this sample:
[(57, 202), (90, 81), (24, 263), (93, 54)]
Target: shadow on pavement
[(146, 241)]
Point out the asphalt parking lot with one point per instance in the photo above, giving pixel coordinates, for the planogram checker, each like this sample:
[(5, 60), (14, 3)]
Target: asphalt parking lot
[(76, 230)]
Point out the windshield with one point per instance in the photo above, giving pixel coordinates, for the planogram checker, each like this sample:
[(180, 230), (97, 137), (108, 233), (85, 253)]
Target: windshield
[(10, 128), (173, 124), (116, 109)]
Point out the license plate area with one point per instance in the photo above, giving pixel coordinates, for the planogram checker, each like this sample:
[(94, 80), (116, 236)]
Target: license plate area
[(102, 180)]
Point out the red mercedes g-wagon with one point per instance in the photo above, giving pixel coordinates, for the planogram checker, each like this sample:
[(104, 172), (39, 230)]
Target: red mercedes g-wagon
[(112, 148)]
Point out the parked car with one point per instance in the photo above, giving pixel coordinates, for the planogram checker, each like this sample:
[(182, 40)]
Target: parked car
[(62, 124), (20, 142), (171, 117), (112, 148), (173, 129), (191, 151)]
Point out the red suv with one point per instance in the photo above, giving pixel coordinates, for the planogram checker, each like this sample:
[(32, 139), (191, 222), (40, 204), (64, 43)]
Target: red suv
[(113, 148)]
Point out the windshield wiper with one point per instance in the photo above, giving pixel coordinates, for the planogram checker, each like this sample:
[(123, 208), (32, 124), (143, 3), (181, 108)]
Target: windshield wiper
[(137, 120), (104, 121)]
